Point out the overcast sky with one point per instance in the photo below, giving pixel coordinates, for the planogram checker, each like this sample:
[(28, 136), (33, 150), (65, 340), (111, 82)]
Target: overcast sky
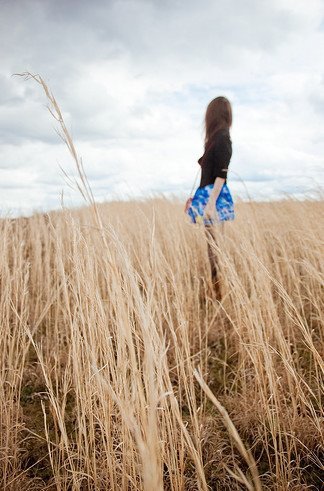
[(133, 79)]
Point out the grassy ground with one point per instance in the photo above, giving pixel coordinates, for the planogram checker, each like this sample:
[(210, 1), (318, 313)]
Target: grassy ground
[(109, 335)]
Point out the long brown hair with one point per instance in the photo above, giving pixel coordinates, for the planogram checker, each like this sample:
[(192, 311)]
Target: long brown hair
[(218, 116)]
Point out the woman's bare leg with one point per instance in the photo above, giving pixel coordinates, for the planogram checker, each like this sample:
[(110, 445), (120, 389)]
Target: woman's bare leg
[(214, 266)]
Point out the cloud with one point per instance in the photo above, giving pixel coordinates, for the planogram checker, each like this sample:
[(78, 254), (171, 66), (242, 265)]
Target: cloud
[(133, 79)]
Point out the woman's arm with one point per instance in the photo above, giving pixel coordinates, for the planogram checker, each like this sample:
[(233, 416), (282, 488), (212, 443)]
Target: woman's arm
[(222, 157), (209, 210)]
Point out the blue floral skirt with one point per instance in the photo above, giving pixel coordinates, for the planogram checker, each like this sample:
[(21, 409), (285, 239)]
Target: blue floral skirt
[(224, 205)]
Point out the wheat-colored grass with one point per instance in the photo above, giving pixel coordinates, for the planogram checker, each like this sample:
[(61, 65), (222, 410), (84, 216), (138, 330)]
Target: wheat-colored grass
[(102, 342), (120, 371)]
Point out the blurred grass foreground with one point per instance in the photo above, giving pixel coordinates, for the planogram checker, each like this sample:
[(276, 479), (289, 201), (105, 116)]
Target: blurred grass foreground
[(120, 371)]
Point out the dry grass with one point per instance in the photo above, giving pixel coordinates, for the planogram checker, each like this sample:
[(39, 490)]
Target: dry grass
[(101, 336)]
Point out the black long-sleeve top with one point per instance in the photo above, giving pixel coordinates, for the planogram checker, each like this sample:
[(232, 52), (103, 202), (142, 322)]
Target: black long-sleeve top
[(217, 158)]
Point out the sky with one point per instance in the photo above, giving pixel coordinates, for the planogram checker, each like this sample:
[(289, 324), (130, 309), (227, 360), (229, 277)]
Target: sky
[(133, 79)]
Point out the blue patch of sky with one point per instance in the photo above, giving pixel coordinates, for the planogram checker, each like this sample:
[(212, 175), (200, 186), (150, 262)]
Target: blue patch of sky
[(321, 25)]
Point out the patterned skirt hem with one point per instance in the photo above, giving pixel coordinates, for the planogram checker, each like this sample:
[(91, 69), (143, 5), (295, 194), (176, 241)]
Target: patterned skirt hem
[(224, 206)]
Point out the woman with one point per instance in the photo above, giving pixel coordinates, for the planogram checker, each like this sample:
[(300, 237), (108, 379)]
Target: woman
[(212, 202)]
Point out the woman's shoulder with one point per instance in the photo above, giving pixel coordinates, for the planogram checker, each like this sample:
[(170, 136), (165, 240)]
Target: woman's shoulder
[(223, 137), (223, 133)]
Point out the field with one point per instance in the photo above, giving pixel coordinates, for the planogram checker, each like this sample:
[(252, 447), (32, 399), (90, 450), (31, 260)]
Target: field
[(121, 371)]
